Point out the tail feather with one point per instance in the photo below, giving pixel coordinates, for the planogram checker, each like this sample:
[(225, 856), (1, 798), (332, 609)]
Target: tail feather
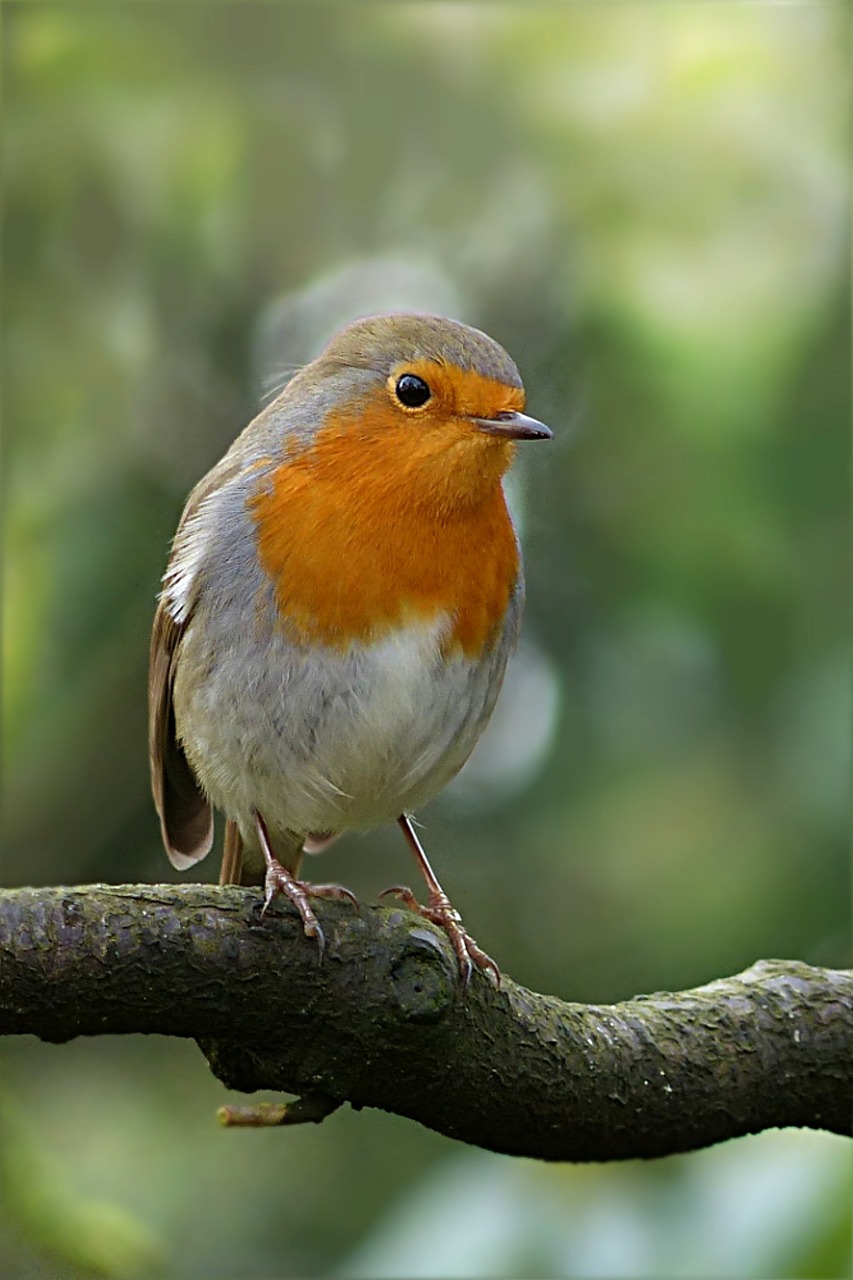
[(231, 871), (242, 866)]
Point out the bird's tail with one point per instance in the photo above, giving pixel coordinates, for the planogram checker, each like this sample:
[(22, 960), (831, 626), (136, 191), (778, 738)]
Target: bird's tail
[(232, 870), (246, 866)]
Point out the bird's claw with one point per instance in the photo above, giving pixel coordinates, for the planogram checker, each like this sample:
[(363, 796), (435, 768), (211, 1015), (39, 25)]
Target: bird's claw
[(279, 880), (338, 892), (440, 911), (404, 893)]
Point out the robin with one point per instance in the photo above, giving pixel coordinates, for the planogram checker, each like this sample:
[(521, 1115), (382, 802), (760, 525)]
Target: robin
[(344, 590)]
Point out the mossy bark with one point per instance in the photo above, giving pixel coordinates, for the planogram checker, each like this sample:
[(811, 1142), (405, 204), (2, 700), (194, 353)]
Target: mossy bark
[(382, 1022)]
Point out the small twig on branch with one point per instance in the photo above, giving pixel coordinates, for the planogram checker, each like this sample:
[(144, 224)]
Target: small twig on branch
[(310, 1109), (381, 1022)]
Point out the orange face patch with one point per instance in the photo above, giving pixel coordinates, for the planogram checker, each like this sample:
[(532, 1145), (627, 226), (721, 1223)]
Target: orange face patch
[(385, 520), (459, 392)]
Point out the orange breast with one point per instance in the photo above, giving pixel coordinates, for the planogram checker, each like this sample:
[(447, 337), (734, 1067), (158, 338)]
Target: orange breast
[(380, 524)]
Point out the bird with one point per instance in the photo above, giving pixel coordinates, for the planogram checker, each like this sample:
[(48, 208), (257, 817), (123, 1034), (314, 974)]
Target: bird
[(343, 592)]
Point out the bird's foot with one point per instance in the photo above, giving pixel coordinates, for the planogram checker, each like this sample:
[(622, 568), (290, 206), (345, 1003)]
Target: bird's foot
[(439, 910), (279, 880)]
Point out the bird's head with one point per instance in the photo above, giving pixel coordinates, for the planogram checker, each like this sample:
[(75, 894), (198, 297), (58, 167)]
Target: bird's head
[(444, 400)]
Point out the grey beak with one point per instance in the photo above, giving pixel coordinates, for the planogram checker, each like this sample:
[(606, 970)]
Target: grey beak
[(514, 426)]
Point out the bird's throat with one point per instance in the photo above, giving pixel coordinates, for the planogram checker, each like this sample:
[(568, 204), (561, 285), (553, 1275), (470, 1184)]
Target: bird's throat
[(362, 534)]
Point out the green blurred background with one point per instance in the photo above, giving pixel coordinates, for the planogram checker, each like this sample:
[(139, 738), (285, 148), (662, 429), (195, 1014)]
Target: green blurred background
[(648, 205)]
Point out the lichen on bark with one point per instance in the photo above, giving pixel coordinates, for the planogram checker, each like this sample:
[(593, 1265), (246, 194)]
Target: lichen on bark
[(382, 1022)]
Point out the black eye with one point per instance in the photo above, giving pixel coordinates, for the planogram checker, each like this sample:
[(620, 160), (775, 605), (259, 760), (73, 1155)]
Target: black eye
[(412, 391)]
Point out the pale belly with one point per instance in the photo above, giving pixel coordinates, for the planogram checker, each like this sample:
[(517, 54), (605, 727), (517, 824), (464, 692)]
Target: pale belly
[(323, 741)]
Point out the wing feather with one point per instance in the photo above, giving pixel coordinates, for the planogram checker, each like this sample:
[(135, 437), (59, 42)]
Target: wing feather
[(186, 817)]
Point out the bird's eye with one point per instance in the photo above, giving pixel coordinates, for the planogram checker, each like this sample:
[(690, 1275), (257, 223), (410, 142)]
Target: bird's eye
[(412, 391)]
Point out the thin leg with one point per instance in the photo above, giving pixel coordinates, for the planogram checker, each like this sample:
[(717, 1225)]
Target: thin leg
[(280, 880), (441, 912)]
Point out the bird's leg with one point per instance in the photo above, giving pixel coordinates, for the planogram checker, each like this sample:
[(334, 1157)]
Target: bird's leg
[(279, 880), (440, 911)]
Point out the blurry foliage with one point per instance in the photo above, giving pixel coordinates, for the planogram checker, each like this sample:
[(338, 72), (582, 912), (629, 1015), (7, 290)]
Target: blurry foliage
[(648, 205)]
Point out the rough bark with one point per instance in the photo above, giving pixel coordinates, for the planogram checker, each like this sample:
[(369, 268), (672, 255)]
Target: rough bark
[(381, 1022)]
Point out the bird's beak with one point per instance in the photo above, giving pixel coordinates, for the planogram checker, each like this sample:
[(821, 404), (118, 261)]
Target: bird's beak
[(513, 426)]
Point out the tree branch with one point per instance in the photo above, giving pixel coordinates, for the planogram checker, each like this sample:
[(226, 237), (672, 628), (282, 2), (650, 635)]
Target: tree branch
[(381, 1023)]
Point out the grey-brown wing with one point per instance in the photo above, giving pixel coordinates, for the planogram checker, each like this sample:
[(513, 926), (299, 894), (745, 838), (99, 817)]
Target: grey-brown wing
[(186, 817)]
